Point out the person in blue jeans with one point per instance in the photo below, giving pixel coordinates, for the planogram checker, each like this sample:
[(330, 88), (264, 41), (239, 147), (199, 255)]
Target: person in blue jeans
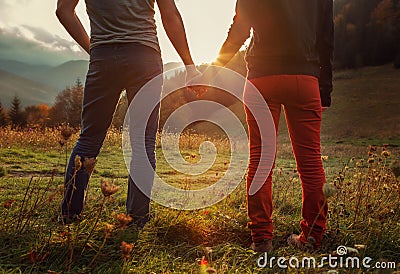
[(124, 55)]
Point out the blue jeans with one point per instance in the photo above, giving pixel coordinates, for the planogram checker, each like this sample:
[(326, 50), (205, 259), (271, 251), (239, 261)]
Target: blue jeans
[(112, 68)]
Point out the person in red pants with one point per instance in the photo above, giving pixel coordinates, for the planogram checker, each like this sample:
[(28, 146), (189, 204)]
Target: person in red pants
[(290, 62)]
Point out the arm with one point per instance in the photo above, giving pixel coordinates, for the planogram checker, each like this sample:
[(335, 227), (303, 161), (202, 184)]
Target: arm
[(238, 34), (325, 44), (66, 15), (173, 25)]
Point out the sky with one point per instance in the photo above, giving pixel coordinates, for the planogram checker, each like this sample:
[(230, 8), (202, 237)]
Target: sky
[(30, 32)]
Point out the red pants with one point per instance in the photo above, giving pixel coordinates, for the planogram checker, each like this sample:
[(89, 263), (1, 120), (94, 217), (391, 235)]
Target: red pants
[(299, 95)]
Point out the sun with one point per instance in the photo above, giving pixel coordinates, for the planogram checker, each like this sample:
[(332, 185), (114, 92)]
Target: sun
[(206, 22)]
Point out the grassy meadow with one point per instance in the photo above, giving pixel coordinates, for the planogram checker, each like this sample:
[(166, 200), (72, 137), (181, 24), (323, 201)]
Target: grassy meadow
[(361, 148)]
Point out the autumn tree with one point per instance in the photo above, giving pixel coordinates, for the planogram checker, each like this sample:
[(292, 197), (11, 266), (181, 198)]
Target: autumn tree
[(37, 115), (68, 106)]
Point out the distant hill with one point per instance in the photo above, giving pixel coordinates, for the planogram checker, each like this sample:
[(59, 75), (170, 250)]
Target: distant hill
[(57, 77), (61, 76), (20, 68), (41, 83), (29, 92)]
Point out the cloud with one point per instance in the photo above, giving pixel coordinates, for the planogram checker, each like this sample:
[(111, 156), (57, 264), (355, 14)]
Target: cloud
[(50, 40), (36, 46)]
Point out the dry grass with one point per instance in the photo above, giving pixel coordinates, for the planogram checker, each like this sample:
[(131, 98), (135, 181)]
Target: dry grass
[(364, 213)]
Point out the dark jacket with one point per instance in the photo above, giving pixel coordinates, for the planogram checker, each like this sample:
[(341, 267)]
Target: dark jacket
[(289, 37)]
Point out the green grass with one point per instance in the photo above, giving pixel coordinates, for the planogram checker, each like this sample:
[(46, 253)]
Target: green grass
[(174, 241), (365, 105), (365, 211)]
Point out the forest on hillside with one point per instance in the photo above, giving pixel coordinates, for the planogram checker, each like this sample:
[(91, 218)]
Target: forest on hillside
[(367, 33)]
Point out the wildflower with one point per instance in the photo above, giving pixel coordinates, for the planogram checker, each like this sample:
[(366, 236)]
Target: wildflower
[(385, 153), (61, 189), (88, 164), (77, 163), (64, 233), (203, 262), (126, 250), (7, 205), (123, 220), (329, 190), (371, 160), (324, 158), (108, 188), (66, 133), (108, 229), (208, 250), (206, 212)]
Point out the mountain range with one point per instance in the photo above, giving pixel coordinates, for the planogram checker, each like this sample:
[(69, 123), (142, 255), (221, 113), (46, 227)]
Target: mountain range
[(35, 84)]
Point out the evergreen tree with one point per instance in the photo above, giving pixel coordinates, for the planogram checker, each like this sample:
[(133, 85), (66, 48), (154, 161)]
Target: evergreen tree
[(16, 114)]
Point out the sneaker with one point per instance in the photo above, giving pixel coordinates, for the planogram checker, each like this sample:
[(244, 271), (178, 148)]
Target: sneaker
[(66, 220), (264, 246), (138, 222), (294, 240)]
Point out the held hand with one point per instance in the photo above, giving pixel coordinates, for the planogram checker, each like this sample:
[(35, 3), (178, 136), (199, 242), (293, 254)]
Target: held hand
[(194, 81), (192, 75)]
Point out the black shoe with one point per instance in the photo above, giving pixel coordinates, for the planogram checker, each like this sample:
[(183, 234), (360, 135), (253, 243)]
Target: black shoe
[(138, 222), (261, 247), (67, 220)]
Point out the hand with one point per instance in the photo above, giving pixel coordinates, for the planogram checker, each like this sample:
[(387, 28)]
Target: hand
[(194, 80), (192, 75)]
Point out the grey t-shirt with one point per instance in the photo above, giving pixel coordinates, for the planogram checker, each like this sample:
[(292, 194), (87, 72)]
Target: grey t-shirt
[(122, 21)]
